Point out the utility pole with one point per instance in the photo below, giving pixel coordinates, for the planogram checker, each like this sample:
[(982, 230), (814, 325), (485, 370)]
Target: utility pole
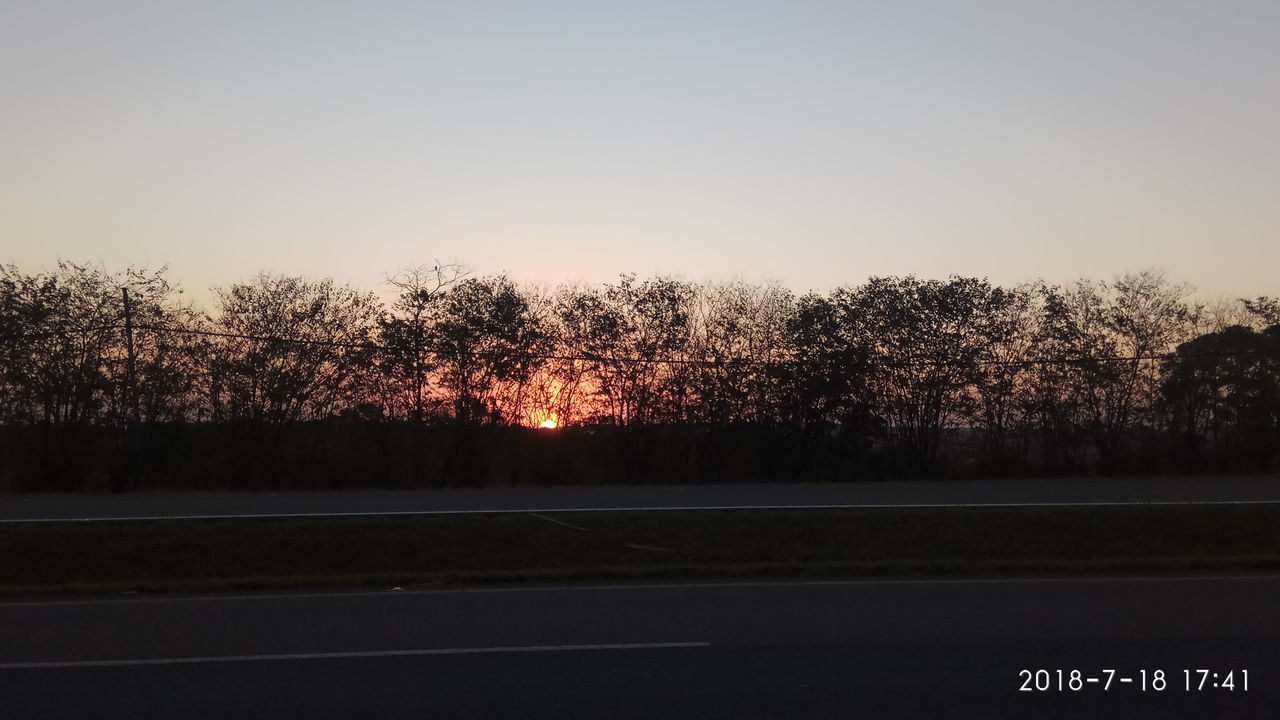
[(126, 465), (130, 396)]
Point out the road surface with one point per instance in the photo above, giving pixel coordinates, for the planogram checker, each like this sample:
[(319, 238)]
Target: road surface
[(1220, 489), (834, 649)]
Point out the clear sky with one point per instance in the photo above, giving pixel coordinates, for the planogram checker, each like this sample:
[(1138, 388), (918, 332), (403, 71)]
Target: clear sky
[(815, 143)]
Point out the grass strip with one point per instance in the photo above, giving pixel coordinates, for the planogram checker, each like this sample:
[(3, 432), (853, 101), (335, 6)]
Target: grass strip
[(222, 555)]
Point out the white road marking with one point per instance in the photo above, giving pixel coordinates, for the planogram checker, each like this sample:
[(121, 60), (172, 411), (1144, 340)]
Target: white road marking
[(654, 508), (345, 655), (571, 526), (728, 585)]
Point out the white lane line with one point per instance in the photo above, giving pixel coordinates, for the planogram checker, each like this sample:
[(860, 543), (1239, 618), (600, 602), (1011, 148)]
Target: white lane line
[(627, 508), (571, 526), (346, 655), (675, 586)]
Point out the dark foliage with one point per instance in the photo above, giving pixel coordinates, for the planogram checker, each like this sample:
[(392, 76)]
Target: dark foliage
[(308, 384)]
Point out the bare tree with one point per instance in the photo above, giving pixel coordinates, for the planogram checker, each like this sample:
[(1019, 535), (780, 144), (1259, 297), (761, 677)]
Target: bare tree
[(1265, 309), (826, 373), (62, 331), (405, 333), (629, 333), (169, 351), (927, 339), (65, 359), (1138, 317), (1010, 330), (555, 394), (294, 349), (1219, 313), (485, 338), (739, 337)]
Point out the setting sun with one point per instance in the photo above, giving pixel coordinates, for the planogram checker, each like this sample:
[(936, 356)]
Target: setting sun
[(547, 424)]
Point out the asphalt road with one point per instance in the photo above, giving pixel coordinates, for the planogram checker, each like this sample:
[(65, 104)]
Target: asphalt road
[(1218, 489), (843, 649)]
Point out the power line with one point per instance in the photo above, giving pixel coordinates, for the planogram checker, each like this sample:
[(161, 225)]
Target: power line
[(263, 338), (62, 333), (562, 357)]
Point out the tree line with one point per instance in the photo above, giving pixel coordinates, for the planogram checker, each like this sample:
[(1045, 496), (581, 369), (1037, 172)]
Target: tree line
[(905, 377)]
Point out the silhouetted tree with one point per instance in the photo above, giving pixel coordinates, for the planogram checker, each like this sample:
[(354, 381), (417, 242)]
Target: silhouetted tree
[(485, 336), (1010, 328), (1137, 316), (740, 338), (170, 354), (1218, 314), (64, 352), (1265, 309), (827, 379), (405, 335), (926, 340), (626, 331), (301, 349), (896, 376), (1222, 392)]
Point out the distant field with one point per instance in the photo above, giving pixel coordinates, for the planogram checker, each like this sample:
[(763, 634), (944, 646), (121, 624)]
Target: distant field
[(216, 555)]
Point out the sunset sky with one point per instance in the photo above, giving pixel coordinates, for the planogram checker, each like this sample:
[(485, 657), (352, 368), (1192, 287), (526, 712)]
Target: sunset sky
[(814, 143)]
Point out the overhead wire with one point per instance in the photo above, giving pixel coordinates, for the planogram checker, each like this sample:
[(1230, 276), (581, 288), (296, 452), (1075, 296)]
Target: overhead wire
[(603, 358)]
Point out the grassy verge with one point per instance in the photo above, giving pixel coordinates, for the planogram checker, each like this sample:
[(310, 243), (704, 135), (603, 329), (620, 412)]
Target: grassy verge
[(216, 555)]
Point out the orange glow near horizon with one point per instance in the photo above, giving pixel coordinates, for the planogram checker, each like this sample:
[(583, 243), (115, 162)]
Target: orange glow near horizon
[(543, 403), (543, 419)]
